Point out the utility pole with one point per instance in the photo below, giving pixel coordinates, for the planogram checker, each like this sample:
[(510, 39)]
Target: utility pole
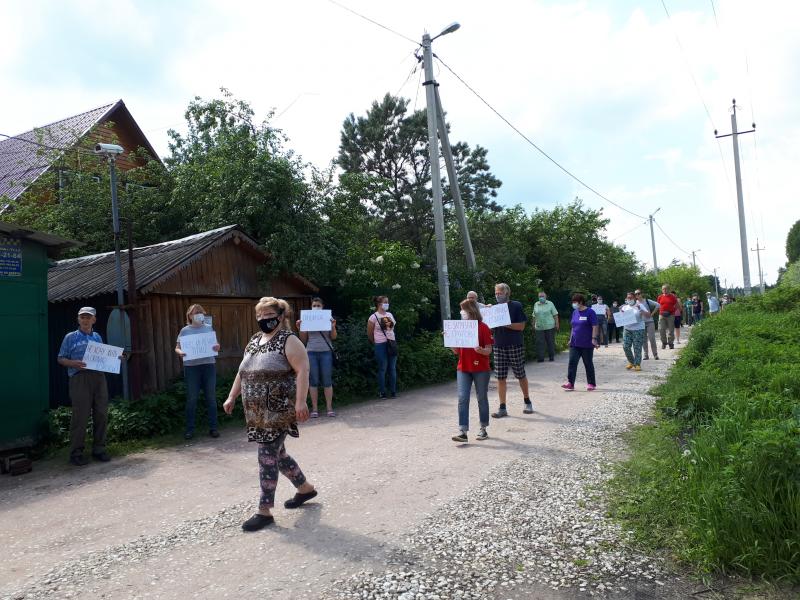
[(758, 250), (653, 241), (694, 260), (436, 181), (452, 176), (716, 284), (735, 133)]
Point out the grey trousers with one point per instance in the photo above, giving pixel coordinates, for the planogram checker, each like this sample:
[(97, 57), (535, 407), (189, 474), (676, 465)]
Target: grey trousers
[(89, 394), (545, 337), (650, 336), (666, 328)]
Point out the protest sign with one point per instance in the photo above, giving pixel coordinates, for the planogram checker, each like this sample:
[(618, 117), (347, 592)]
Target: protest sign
[(461, 334), (626, 317), (199, 345), (102, 357), (315, 320), (496, 316)]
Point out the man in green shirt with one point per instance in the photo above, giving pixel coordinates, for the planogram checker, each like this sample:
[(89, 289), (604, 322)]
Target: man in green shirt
[(545, 318)]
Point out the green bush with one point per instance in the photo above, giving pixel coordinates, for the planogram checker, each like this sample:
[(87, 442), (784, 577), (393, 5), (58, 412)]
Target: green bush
[(717, 478)]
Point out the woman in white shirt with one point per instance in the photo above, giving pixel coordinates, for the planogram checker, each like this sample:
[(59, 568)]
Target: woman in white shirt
[(380, 330), (633, 336)]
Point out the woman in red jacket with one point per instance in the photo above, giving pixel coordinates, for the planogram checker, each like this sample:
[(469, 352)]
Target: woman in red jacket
[(473, 367)]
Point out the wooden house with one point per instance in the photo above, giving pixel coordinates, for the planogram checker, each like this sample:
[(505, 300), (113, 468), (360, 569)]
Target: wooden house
[(26, 157), (217, 269)]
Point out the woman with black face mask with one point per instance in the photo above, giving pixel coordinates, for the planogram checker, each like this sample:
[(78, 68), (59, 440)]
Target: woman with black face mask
[(273, 382)]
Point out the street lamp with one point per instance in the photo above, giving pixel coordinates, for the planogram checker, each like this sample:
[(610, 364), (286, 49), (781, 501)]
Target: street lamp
[(454, 26)]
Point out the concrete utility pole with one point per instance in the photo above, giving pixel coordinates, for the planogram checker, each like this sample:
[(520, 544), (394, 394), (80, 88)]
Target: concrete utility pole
[(758, 250), (716, 284), (112, 163), (735, 133), (653, 241), (436, 181), (694, 260), (452, 176)]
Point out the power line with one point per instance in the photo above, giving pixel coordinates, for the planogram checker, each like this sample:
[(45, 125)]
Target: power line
[(382, 26), (629, 231), (527, 139), (670, 239), (714, 10)]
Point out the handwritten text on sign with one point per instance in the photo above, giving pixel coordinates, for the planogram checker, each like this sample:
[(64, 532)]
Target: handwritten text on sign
[(626, 317), (102, 357), (496, 316), (315, 320), (460, 334), (199, 345)]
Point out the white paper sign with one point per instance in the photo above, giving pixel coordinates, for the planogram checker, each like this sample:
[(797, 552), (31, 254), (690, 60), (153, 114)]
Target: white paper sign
[(625, 317), (209, 320), (496, 316), (102, 357), (461, 334), (315, 320), (199, 345)]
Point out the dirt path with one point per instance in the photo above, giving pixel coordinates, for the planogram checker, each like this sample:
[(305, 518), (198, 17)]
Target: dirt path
[(165, 524)]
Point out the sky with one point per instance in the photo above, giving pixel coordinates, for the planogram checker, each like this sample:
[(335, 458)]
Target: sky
[(621, 95)]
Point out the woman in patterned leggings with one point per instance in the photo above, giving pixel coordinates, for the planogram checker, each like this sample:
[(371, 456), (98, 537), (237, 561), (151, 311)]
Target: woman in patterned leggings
[(273, 382)]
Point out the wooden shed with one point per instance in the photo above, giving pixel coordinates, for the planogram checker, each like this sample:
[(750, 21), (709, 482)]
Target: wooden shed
[(217, 269)]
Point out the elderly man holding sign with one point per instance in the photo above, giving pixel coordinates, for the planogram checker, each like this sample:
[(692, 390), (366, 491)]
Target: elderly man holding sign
[(88, 390), (471, 340)]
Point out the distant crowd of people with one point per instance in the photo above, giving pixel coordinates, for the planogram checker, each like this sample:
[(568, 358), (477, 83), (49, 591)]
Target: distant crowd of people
[(281, 369)]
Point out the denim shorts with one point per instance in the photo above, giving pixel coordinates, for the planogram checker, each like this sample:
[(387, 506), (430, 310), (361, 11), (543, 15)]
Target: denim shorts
[(321, 373)]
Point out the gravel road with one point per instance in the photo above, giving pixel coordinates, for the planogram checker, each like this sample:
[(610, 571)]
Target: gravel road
[(403, 512)]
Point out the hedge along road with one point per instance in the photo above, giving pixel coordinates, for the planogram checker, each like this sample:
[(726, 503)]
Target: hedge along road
[(166, 523)]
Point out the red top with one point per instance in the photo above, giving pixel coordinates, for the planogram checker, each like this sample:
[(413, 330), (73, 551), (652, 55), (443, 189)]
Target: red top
[(668, 303), (470, 361)]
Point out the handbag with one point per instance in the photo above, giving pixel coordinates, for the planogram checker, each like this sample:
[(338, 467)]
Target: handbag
[(334, 353), (391, 345)]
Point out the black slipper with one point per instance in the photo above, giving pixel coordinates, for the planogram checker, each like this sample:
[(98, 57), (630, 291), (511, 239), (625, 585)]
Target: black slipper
[(299, 499), (257, 521)]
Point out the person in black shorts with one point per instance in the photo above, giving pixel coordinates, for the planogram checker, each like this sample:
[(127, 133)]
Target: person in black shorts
[(509, 351)]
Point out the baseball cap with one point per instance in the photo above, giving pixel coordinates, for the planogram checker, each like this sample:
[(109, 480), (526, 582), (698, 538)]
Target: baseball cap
[(87, 310)]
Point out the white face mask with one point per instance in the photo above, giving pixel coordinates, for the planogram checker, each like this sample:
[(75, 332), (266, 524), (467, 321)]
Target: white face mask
[(575, 305), (599, 300), (316, 308), (630, 302), (199, 318), (385, 306), (464, 315)]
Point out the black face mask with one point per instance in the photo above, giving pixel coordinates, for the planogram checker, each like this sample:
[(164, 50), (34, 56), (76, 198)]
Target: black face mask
[(269, 325)]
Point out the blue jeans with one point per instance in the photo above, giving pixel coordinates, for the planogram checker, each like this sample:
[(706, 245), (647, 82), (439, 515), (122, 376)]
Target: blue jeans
[(386, 362), (575, 356), (199, 377), (321, 373), (465, 380), (602, 323)]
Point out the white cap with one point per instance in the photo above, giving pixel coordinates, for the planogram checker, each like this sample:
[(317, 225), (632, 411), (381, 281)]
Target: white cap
[(87, 310)]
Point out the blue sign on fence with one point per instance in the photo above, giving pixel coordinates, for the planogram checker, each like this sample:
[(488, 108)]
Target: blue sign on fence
[(10, 257)]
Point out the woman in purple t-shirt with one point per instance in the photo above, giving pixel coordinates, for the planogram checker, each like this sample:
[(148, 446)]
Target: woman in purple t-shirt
[(582, 342)]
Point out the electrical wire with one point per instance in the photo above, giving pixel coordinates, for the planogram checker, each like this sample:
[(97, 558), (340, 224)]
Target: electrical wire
[(382, 26), (629, 231), (533, 144), (714, 10), (670, 239)]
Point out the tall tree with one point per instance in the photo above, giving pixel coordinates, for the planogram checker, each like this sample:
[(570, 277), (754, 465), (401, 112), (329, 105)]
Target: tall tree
[(793, 243), (390, 145)]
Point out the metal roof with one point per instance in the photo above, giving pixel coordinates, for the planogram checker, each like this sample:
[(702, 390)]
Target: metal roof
[(52, 242), (93, 275)]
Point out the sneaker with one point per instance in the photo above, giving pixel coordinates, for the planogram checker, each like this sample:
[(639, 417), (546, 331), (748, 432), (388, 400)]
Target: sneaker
[(647, 358), (637, 368), (482, 435), (655, 357), (672, 346), (629, 366), (500, 414), (382, 395), (550, 359), (528, 410), (79, 460), (591, 388), (331, 413), (101, 456), (257, 521), (461, 438), (663, 346), (214, 433), (568, 386), (393, 395)]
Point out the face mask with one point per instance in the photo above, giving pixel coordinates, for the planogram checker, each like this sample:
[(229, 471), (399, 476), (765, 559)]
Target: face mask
[(464, 315), (269, 325), (575, 305), (599, 300), (614, 305), (199, 319), (385, 306), (316, 308), (542, 299), (630, 302), (501, 298)]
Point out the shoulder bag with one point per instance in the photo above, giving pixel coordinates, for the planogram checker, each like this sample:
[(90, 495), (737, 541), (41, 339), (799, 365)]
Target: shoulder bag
[(391, 345), (334, 353)]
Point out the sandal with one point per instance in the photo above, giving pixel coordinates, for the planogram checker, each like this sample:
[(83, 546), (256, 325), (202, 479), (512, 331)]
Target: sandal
[(314, 415), (300, 499), (331, 413)]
